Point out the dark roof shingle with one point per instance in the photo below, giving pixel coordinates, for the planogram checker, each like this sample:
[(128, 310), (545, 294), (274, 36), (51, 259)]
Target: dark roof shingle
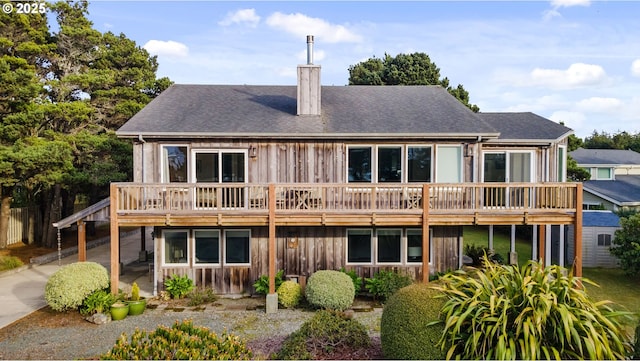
[(605, 156), (524, 125)]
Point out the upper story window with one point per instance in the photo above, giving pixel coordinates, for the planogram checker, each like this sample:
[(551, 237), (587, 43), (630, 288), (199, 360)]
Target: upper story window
[(388, 164), (507, 166), (562, 164), (448, 164), (601, 173), (174, 163), (217, 166)]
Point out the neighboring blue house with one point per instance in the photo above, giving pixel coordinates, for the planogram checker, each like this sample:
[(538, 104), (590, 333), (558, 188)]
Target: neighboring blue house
[(598, 233)]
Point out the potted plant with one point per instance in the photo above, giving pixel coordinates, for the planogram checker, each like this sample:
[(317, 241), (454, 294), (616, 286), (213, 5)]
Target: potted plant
[(137, 304), (119, 310)]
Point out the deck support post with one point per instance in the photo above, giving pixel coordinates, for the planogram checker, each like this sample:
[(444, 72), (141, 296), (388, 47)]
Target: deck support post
[(425, 233), (272, 297), (577, 264), (542, 236), (82, 241), (115, 238)]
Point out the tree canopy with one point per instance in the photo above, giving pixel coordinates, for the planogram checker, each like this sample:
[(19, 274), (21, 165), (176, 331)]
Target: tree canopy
[(405, 69), (63, 94)]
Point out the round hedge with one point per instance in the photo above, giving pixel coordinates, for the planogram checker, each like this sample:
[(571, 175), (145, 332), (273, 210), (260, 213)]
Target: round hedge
[(404, 333), (289, 294), (71, 284), (332, 290)]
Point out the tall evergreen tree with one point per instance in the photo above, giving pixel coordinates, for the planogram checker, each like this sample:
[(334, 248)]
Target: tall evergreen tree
[(405, 69)]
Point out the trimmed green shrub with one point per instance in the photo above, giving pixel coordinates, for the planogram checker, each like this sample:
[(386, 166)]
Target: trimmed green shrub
[(71, 284), (262, 284), (330, 290), (10, 262), (626, 244), (97, 302), (180, 342), (289, 294), (357, 281), (530, 313), (325, 334), (408, 328), (178, 286), (386, 283)]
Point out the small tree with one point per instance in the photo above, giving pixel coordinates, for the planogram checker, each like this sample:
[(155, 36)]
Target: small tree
[(626, 245)]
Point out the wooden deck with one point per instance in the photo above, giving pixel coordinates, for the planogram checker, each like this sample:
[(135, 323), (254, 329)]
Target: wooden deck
[(191, 204)]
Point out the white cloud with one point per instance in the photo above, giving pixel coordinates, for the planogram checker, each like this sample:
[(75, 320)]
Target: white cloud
[(167, 48), (243, 16), (568, 3), (599, 105), (573, 120), (635, 68), (556, 4), (576, 76), (301, 25)]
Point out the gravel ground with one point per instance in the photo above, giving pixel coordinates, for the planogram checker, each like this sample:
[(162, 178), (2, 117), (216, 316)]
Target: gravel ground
[(51, 335)]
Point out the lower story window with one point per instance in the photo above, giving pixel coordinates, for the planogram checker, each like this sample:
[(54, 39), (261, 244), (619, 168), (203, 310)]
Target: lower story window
[(175, 246), (207, 246), (392, 246), (237, 246), (389, 245), (359, 246)]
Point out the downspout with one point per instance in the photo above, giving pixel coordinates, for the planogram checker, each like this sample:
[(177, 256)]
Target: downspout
[(141, 140)]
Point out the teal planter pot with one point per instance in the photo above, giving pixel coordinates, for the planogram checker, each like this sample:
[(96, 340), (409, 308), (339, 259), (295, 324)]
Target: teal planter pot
[(137, 307), (119, 311)]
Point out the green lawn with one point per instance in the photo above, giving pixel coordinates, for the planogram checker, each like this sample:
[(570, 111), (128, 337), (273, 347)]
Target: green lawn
[(479, 236), (613, 284)]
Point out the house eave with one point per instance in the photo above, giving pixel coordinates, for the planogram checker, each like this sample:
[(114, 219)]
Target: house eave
[(395, 136)]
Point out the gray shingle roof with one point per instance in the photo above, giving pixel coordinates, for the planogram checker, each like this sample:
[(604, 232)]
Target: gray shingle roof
[(600, 219), (605, 156), (625, 189), (525, 126), (247, 110)]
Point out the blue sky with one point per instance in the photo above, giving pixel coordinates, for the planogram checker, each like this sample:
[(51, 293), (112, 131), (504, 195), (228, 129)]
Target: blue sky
[(576, 61)]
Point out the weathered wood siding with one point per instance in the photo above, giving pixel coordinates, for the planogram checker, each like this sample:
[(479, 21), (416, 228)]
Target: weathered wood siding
[(303, 250)]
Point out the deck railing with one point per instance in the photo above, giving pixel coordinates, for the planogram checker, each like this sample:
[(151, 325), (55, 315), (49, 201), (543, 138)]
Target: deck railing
[(442, 198)]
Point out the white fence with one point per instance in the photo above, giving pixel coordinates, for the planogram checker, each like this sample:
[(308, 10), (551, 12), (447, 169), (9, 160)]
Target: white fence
[(19, 225)]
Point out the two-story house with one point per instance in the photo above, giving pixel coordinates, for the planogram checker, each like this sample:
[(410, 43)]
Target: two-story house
[(239, 181)]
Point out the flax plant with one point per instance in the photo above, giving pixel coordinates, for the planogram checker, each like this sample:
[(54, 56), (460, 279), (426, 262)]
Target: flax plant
[(534, 312)]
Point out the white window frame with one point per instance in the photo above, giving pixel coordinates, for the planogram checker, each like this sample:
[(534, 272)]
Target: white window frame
[(163, 248), (406, 162), (406, 247), (507, 153), (194, 252), (373, 164), (402, 246), (563, 176), (439, 147), (376, 160), (346, 250), (224, 248), (163, 161), (219, 152), (594, 173)]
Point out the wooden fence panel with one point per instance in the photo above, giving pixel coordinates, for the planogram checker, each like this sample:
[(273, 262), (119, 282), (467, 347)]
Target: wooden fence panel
[(19, 225)]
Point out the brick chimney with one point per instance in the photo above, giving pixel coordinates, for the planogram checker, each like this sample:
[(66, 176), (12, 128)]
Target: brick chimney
[(309, 84)]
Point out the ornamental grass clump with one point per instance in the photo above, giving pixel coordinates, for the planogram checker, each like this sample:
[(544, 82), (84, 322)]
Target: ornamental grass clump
[(331, 290), (182, 341), (533, 312), (67, 288)]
